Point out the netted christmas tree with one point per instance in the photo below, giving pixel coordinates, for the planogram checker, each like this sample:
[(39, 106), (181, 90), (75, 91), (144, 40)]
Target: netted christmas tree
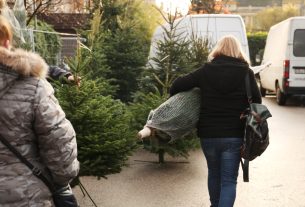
[(174, 55)]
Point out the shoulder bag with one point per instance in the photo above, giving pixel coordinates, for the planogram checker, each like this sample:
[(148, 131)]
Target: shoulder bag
[(256, 136)]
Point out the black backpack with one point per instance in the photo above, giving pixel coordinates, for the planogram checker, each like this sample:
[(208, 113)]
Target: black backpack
[(256, 137)]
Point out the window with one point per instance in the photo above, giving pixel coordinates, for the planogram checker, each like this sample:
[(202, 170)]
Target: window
[(299, 43)]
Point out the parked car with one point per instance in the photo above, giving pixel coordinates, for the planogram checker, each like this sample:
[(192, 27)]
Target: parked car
[(206, 26), (285, 51)]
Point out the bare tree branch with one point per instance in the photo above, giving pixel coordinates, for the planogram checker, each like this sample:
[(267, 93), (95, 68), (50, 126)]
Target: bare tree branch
[(36, 7), (207, 6)]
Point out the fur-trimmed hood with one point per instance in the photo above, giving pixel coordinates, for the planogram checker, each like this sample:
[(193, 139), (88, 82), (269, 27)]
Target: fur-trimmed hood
[(23, 62), (15, 63)]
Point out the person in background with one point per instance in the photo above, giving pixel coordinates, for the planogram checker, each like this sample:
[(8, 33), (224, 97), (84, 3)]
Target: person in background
[(223, 99), (63, 75), (57, 73), (33, 122)]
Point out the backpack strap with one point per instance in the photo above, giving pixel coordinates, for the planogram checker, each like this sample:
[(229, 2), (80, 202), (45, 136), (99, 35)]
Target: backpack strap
[(245, 163), (248, 88), (245, 167)]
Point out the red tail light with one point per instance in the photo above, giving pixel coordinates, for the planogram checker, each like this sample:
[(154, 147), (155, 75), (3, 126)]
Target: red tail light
[(286, 74), (286, 68), (286, 65)]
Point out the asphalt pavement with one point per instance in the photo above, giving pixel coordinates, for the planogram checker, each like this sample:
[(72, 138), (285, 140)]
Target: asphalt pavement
[(277, 179)]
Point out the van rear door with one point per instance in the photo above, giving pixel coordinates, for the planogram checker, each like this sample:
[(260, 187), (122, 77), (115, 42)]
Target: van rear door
[(203, 27), (297, 58), (233, 26)]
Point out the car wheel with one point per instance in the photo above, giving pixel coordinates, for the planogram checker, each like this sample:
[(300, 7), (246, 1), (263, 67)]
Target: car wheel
[(280, 96), (261, 89)]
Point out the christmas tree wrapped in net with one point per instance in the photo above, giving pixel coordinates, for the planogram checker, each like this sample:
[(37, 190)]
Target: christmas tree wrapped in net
[(176, 117)]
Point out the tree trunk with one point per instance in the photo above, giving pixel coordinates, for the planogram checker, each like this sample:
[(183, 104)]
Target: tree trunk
[(161, 156)]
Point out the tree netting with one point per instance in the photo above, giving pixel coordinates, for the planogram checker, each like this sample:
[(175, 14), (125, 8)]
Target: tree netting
[(17, 20), (178, 116)]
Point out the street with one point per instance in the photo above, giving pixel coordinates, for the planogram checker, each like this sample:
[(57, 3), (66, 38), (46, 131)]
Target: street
[(277, 178)]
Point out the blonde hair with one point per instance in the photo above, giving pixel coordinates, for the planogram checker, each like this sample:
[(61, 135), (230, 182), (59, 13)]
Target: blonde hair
[(2, 4), (229, 46), (5, 30)]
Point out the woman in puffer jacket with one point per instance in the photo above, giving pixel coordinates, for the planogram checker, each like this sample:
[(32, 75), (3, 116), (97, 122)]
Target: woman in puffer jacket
[(34, 123)]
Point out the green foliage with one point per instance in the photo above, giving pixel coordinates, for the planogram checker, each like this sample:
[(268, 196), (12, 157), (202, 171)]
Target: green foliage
[(175, 56), (257, 42), (122, 43), (179, 148), (170, 59), (259, 2), (111, 13), (104, 137), (293, 1), (273, 15), (141, 106), (146, 17), (127, 48), (98, 69), (126, 55), (198, 51), (46, 44), (133, 13)]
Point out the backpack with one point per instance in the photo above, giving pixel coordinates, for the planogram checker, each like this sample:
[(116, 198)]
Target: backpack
[(256, 136)]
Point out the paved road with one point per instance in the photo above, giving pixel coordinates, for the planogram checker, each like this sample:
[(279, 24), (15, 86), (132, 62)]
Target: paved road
[(277, 179)]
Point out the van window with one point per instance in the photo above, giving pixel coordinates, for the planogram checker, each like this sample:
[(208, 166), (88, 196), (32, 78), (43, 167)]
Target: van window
[(299, 43)]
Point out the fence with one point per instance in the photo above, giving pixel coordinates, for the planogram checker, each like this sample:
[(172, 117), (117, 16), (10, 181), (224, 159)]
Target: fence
[(68, 42)]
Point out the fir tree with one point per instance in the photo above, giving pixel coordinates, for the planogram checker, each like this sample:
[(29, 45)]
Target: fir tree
[(125, 41), (104, 137), (175, 55), (94, 53)]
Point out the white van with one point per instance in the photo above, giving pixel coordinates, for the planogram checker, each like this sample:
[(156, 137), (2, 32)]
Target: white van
[(285, 50), (210, 26)]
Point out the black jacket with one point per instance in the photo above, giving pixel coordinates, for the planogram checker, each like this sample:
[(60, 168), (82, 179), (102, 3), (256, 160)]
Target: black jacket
[(57, 73), (223, 96)]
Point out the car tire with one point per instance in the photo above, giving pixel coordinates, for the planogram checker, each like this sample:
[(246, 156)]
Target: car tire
[(280, 96), (261, 89)]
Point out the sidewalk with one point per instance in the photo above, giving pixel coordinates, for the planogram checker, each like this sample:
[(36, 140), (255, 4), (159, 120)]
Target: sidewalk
[(277, 179), (180, 184)]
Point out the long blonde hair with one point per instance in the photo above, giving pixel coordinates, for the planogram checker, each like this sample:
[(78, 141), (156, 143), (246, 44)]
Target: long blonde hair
[(5, 30), (229, 46)]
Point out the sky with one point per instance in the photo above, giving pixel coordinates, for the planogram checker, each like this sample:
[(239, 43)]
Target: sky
[(170, 6)]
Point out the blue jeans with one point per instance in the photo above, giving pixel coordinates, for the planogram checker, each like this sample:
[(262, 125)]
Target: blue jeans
[(223, 157)]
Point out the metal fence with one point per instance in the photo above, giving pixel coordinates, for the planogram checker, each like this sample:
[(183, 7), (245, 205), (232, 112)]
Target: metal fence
[(69, 44)]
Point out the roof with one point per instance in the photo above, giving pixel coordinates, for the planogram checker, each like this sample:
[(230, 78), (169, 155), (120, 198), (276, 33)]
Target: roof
[(288, 21), (66, 21)]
